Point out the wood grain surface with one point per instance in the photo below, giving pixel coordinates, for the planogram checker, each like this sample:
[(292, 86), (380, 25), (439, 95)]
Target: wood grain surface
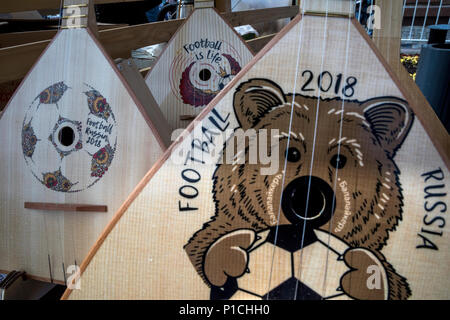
[(200, 59), (73, 133), (198, 228)]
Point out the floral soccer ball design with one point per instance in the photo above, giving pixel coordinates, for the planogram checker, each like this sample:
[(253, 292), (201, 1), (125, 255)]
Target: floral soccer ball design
[(69, 137), (281, 270)]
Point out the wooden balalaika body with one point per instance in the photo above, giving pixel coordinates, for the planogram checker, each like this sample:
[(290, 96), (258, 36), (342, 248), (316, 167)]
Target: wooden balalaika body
[(75, 142), (341, 195), (203, 56)]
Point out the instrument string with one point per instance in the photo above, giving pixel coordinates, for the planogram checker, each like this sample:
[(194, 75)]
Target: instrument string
[(390, 28), (316, 125), (72, 216), (50, 256), (347, 50), (61, 78), (296, 74), (196, 69)]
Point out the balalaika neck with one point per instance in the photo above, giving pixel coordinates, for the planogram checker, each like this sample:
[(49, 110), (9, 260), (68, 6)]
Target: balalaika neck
[(328, 7), (199, 4), (78, 14)]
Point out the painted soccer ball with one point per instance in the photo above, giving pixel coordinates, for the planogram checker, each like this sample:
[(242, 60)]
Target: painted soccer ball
[(202, 69), (281, 270), (69, 137)]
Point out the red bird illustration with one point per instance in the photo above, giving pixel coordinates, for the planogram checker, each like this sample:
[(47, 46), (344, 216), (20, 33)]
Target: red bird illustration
[(235, 67)]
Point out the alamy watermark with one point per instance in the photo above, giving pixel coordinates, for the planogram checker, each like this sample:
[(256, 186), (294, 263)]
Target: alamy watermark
[(232, 147)]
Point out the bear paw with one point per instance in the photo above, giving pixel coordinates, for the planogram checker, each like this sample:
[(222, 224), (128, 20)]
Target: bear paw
[(367, 279), (228, 256)]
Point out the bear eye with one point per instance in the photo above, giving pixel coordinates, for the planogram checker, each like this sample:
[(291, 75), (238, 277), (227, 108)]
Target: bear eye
[(293, 155), (338, 161)]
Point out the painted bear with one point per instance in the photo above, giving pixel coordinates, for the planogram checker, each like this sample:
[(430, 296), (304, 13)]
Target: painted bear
[(338, 175)]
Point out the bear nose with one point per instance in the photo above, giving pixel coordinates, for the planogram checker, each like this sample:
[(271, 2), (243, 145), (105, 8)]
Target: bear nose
[(308, 199)]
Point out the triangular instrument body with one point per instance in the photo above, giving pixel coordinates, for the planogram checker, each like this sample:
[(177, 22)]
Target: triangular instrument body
[(203, 56), (354, 207), (74, 135)]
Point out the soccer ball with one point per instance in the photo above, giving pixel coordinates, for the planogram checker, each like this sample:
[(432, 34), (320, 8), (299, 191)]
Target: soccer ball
[(280, 269), (69, 137), (208, 66)]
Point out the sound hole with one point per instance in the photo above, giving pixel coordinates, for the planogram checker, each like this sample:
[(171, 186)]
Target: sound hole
[(66, 136), (204, 75)]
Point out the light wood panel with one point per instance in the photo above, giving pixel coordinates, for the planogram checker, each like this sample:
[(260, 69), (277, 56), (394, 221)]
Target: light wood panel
[(18, 38), (137, 84), (16, 61), (388, 41), (255, 44), (258, 16), (259, 43), (26, 5), (388, 37), (202, 57), (363, 149), (8, 88), (74, 135)]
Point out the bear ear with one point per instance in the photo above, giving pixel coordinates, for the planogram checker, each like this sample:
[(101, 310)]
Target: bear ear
[(390, 120), (254, 99)]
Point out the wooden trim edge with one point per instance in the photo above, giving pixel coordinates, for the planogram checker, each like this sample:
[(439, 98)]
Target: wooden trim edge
[(48, 206)]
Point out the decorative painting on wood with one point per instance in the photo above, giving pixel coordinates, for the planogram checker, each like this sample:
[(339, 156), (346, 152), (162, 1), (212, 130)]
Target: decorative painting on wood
[(75, 139), (311, 176), (203, 56)]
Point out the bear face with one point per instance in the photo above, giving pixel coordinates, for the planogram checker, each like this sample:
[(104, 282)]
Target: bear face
[(346, 172), (336, 172)]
